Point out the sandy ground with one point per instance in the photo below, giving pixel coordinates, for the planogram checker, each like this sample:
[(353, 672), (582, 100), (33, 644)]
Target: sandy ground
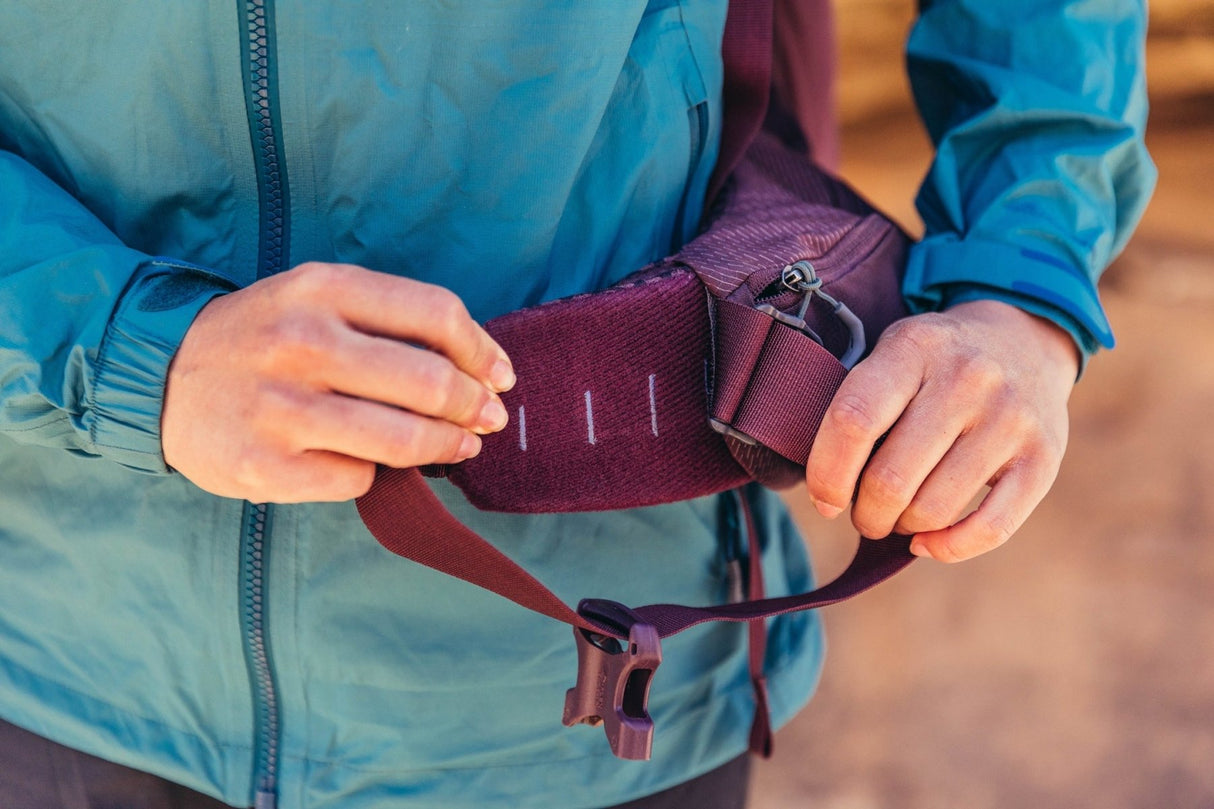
[(1075, 666)]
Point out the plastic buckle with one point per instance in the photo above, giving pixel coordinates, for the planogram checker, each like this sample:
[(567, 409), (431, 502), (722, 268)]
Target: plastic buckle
[(613, 682)]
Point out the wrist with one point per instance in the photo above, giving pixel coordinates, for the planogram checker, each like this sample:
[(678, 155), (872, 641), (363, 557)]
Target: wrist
[(1052, 342)]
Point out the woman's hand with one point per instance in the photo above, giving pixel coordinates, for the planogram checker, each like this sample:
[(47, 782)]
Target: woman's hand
[(295, 388), (973, 396)]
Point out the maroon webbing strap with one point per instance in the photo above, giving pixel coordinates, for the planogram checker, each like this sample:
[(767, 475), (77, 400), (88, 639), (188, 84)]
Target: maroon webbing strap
[(413, 523), (756, 634), (428, 534), (612, 686)]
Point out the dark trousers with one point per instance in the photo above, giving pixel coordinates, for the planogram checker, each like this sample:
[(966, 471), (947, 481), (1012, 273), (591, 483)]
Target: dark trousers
[(39, 774)]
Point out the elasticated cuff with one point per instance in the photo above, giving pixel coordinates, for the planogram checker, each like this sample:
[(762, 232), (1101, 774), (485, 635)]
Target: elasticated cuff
[(943, 271), (152, 317)]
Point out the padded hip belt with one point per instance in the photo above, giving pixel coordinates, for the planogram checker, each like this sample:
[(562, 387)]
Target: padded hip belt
[(701, 373)]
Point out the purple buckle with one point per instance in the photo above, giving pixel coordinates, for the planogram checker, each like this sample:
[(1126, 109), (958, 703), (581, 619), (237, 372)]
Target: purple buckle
[(613, 682)]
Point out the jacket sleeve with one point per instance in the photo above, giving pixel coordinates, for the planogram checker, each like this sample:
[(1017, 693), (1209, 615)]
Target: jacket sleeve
[(1037, 109), (87, 325)]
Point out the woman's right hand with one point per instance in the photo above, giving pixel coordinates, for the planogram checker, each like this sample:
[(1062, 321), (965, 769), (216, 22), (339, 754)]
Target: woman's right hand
[(295, 388)]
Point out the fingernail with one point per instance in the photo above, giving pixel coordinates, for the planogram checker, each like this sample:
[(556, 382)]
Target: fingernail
[(493, 416), (919, 549), (826, 509), (501, 377), (470, 447)]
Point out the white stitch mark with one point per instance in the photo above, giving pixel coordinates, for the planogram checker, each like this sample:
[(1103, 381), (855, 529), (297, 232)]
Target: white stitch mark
[(653, 404), (589, 419), (522, 428)]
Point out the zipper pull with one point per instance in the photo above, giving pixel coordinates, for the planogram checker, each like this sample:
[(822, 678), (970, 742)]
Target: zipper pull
[(800, 276)]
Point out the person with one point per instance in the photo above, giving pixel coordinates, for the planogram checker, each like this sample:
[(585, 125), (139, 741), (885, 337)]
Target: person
[(245, 250)]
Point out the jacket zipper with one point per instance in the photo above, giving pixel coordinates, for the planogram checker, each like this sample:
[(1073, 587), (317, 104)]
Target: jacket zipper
[(255, 555), (260, 80)]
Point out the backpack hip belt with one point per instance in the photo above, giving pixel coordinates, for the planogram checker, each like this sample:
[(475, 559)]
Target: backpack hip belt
[(699, 374)]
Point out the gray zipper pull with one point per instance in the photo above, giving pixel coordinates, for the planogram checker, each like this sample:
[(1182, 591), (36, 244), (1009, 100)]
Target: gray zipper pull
[(800, 276)]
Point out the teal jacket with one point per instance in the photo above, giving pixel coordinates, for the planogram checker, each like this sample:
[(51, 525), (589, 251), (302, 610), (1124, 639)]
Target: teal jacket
[(155, 155)]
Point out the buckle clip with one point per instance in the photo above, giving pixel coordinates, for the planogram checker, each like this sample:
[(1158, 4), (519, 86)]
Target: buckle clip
[(612, 687)]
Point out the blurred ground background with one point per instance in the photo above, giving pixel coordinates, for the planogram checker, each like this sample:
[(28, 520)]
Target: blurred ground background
[(1075, 666)]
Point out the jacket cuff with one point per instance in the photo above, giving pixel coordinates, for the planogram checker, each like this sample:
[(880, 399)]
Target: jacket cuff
[(943, 271), (145, 331)]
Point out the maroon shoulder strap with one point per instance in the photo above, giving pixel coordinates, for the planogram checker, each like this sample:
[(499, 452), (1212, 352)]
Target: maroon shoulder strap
[(746, 51)]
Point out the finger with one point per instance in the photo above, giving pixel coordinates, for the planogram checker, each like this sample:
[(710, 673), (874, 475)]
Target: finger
[(391, 306), (378, 433), (318, 477), (925, 434), (867, 404), (1004, 510), (414, 379), (950, 487)]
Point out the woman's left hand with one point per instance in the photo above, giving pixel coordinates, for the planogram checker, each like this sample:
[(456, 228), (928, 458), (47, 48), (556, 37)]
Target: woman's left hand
[(970, 397)]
